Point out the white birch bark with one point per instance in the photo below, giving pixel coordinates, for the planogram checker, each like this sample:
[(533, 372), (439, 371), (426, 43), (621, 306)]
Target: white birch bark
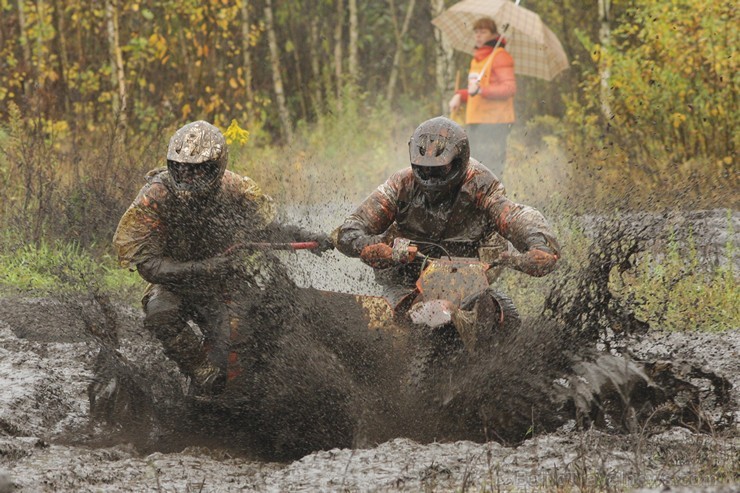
[(443, 60), (247, 53), (277, 79), (604, 72), (354, 70), (27, 62), (399, 46), (118, 75), (338, 50)]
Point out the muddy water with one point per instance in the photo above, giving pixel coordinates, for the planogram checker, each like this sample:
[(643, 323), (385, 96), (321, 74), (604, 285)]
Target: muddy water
[(48, 443), (44, 400)]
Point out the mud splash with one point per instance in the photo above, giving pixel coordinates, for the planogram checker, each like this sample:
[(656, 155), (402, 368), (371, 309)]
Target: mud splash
[(582, 400)]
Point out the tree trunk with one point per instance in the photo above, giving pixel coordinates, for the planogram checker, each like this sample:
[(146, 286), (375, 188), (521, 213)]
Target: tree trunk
[(399, 45), (338, 49), (247, 54), (277, 79), (314, 43), (118, 75), (443, 60), (298, 80), (63, 60), (354, 70), (604, 73), (27, 62)]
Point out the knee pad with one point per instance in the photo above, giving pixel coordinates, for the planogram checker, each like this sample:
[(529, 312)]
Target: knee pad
[(163, 314)]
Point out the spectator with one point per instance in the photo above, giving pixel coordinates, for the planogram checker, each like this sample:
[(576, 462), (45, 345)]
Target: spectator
[(489, 98)]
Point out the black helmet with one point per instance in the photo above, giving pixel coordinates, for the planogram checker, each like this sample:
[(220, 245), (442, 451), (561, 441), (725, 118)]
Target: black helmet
[(196, 159), (439, 152)]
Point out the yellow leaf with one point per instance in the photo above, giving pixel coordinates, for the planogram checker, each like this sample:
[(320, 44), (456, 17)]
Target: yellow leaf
[(233, 83), (186, 111), (678, 119), (236, 134)]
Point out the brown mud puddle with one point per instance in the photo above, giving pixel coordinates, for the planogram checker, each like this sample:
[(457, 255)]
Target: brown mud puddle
[(567, 402)]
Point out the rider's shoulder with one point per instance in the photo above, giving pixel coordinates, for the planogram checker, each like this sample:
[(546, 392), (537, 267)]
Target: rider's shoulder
[(240, 186), (403, 177), (155, 188), (156, 174), (479, 176)]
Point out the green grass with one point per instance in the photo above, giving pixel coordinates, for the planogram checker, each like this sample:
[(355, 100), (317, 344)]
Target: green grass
[(63, 267), (669, 288), (673, 291)]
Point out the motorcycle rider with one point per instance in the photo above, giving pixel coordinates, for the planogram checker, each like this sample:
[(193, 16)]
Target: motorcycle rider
[(449, 199), (182, 233)]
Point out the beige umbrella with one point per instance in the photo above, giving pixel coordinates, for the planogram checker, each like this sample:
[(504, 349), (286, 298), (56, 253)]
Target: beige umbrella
[(536, 50)]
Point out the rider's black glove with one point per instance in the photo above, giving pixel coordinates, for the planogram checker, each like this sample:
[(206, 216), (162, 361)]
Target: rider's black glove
[(323, 239)]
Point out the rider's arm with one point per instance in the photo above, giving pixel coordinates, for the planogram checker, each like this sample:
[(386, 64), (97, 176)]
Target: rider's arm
[(529, 232), (138, 242), (372, 218), (163, 270)]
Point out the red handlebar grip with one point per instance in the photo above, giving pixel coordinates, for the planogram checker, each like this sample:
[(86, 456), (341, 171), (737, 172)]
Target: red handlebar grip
[(304, 245)]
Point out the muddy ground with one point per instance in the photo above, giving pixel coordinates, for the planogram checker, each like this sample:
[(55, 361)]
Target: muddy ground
[(48, 356)]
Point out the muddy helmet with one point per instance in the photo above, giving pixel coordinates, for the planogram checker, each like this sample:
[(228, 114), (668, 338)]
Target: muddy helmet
[(196, 159), (439, 152)]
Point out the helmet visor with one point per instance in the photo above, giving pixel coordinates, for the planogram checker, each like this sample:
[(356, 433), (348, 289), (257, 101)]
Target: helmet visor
[(194, 176), (431, 173)]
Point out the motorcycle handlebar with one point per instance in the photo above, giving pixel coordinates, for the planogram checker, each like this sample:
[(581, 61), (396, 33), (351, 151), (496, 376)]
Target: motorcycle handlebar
[(258, 245)]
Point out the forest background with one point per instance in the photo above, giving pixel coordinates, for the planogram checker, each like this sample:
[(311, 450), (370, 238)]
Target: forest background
[(329, 92)]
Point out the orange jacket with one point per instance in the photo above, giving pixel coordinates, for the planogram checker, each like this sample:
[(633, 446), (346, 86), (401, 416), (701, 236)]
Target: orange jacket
[(495, 101)]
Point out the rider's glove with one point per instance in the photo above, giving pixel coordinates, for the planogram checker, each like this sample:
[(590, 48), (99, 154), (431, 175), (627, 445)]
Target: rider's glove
[(324, 240), (378, 256), (403, 251), (535, 262)]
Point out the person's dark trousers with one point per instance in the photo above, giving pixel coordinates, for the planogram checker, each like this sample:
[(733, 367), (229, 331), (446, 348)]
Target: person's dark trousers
[(488, 145)]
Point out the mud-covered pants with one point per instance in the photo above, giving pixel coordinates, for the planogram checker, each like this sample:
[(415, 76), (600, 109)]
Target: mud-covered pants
[(167, 315)]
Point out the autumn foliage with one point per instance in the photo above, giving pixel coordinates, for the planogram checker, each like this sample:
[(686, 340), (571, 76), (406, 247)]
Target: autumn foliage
[(89, 92)]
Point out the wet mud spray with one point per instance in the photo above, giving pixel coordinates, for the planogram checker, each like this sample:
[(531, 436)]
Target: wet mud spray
[(320, 380)]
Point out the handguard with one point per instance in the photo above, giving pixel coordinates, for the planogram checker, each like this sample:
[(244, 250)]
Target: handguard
[(382, 256), (534, 262), (403, 251), (377, 256)]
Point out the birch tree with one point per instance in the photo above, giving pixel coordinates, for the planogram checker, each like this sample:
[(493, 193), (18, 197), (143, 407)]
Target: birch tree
[(338, 51), (400, 35), (443, 60), (277, 79), (60, 42), (118, 76), (353, 35), (247, 53), (315, 53), (604, 73), (24, 44)]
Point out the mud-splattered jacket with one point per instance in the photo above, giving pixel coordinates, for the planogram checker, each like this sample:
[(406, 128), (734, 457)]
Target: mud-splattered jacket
[(465, 221), (159, 224)]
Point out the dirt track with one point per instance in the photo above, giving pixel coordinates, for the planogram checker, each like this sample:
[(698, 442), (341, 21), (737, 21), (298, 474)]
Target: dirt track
[(47, 442), (44, 406)]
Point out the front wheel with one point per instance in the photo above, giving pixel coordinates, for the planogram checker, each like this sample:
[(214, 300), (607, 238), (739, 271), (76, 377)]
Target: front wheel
[(486, 317)]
